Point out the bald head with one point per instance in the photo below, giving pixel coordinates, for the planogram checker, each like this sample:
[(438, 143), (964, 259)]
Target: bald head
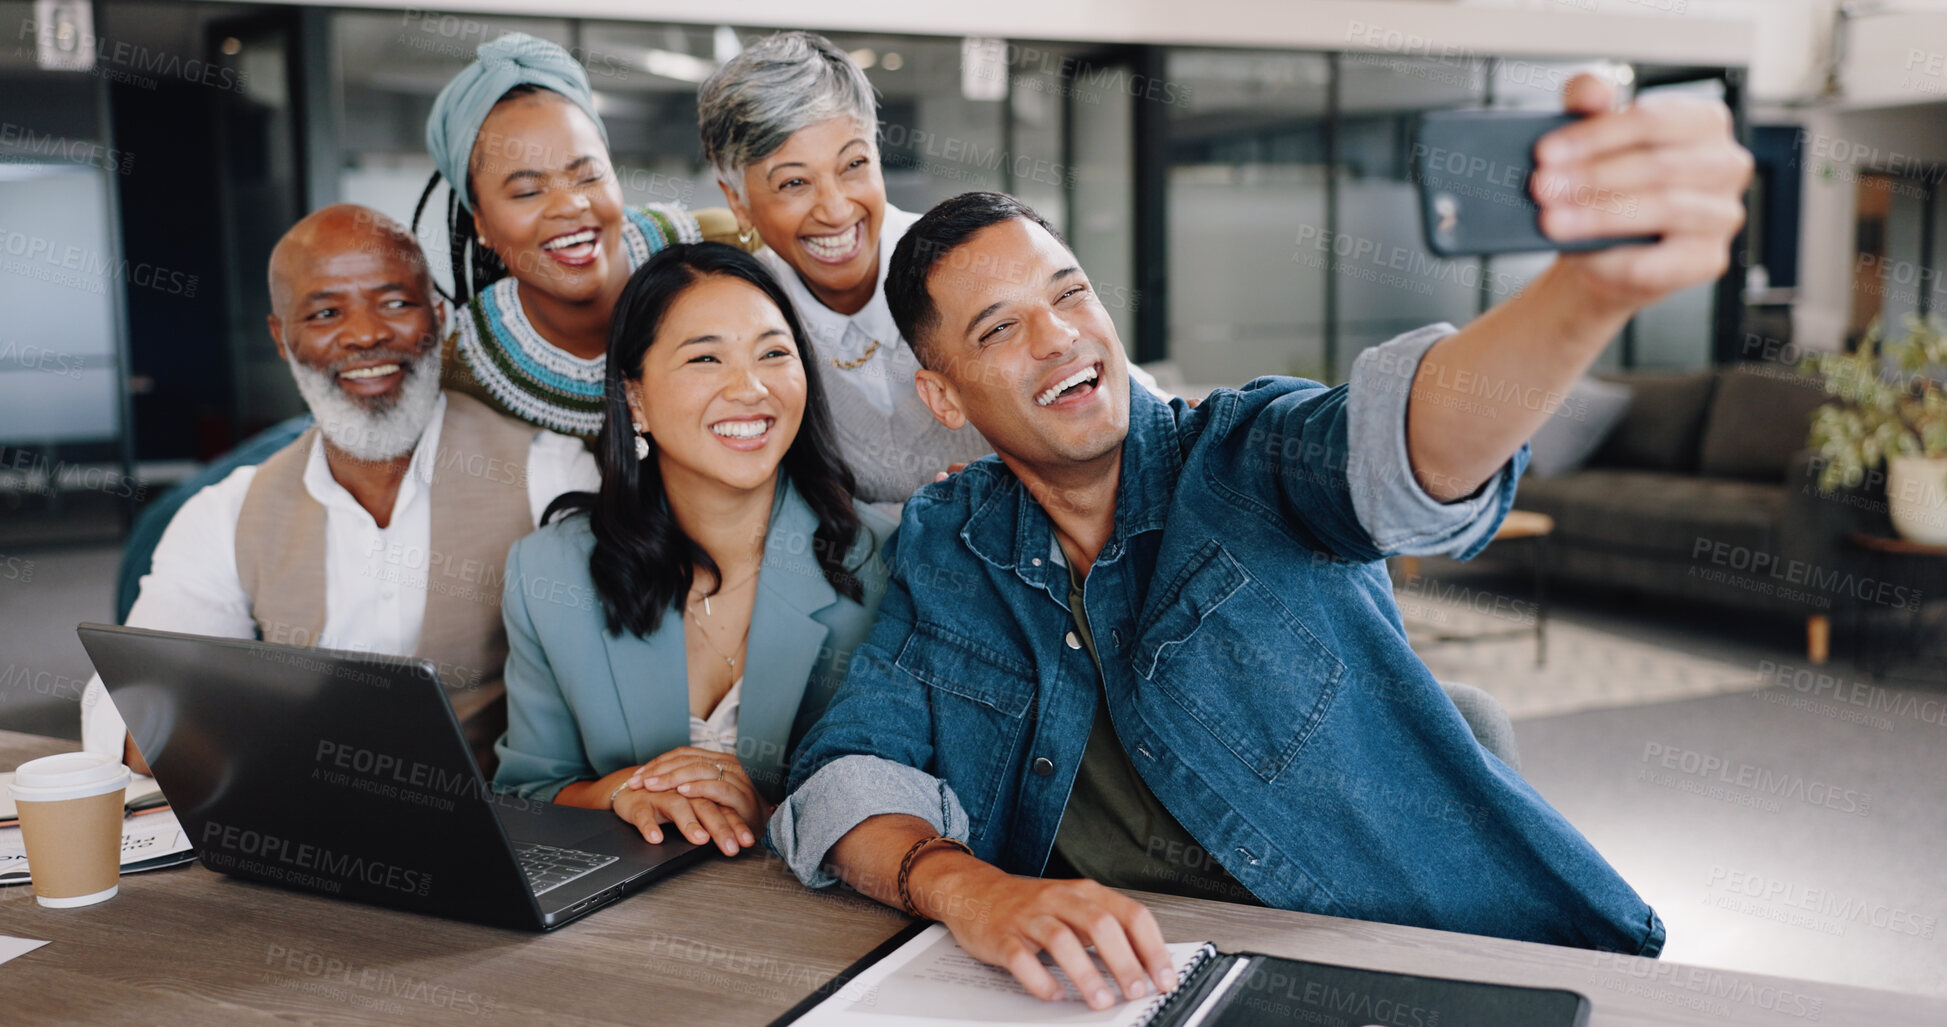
[(354, 313), (334, 234), (350, 294)]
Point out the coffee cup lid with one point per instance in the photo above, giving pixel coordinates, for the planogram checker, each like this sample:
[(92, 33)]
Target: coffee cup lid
[(69, 775)]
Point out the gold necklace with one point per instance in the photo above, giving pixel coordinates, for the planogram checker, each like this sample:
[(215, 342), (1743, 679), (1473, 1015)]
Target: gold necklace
[(853, 365), (705, 599), (728, 661)]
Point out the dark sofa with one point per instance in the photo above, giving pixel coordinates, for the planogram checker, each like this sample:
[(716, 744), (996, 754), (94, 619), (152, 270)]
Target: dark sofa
[(1703, 492)]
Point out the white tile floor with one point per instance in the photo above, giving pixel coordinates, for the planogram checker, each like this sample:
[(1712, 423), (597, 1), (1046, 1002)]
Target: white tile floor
[(1770, 837)]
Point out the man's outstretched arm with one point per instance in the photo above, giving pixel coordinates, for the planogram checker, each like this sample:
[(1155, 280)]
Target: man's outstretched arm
[(1667, 167)]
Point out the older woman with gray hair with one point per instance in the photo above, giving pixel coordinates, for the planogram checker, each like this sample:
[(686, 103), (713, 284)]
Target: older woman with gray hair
[(791, 127)]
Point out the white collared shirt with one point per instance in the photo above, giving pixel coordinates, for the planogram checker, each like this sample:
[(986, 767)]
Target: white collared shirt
[(848, 337), (375, 578)]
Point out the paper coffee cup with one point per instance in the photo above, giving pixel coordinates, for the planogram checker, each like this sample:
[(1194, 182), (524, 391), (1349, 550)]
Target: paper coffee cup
[(71, 821)]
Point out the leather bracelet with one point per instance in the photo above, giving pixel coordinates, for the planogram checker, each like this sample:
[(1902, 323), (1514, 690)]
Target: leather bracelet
[(906, 869)]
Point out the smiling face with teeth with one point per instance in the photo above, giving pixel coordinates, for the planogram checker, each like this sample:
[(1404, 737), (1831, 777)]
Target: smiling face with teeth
[(546, 201), (354, 313), (1023, 350), (818, 203), (721, 389), (351, 299)]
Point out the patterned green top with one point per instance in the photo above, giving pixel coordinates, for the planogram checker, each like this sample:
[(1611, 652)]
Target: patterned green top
[(497, 356)]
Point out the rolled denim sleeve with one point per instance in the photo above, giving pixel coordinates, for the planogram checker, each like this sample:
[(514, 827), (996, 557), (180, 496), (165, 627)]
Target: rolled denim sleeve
[(868, 754), (1392, 507), (841, 794)]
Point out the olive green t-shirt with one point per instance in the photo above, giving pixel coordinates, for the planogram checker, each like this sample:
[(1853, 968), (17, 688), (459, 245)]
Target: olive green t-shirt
[(1114, 830)]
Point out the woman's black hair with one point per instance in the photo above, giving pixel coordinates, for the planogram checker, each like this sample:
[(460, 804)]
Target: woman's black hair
[(643, 563), (474, 266)]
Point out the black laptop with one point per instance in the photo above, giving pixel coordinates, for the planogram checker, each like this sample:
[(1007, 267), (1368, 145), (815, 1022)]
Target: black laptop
[(346, 774)]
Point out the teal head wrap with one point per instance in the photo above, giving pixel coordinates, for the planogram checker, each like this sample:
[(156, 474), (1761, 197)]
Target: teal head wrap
[(513, 59)]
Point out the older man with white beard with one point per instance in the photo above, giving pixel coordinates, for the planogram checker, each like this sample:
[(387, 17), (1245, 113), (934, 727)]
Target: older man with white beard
[(384, 528)]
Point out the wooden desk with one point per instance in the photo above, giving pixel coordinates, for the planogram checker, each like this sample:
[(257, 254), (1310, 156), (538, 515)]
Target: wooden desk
[(728, 942)]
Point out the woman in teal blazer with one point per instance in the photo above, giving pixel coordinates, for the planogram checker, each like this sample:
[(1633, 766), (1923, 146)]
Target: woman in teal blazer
[(672, 637)]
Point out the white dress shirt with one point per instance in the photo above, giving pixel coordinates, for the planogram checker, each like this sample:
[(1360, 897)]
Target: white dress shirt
[(375, 578)]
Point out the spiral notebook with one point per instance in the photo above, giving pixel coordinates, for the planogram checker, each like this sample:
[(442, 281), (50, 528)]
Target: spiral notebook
[(922, 978)]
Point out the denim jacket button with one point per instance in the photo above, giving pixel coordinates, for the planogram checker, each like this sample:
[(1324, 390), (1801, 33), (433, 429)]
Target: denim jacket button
[(1073, 641), (1043, 766)]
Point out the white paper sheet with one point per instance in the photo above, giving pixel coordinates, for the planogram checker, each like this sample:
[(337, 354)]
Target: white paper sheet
[(931, 973), (11, 947)]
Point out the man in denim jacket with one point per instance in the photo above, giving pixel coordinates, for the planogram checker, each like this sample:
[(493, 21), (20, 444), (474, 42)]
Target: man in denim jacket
[(1155, 647)]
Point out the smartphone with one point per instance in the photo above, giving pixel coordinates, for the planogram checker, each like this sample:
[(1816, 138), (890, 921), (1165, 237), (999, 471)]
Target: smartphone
[(1473, 169)]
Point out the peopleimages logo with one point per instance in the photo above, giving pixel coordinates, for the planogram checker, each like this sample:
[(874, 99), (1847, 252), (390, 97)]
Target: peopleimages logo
[(132, 58), (1699, 989), (1798, 572), (1716, 770), (304, 864), (1822, 902)]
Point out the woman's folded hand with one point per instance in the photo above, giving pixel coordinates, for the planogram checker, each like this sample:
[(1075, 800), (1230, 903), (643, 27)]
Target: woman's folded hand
[(704, 795)]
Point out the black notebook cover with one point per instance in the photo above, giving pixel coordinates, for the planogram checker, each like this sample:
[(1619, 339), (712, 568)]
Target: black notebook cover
[(1272, 992), (844, 977), (1253, 990)]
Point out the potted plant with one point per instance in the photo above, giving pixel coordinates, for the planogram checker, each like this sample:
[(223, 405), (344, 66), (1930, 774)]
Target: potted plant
[(1889, 405)]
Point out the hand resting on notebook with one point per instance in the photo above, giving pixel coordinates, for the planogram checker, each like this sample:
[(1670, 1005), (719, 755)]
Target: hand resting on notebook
[(1009, 920)]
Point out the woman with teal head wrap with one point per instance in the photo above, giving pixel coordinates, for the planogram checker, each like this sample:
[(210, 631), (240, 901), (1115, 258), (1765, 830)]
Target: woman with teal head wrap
[(540, 240)]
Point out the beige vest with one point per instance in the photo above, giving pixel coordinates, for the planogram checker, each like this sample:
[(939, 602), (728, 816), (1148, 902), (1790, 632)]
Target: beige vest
[(480, 507)]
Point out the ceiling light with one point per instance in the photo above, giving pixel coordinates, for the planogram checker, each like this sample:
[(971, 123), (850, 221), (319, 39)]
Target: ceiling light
[(680, 66)]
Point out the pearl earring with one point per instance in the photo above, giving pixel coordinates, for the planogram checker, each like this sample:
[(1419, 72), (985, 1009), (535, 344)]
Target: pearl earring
[(641, 441)]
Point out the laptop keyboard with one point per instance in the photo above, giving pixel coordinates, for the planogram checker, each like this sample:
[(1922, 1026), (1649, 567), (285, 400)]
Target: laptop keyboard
[(549, 868)]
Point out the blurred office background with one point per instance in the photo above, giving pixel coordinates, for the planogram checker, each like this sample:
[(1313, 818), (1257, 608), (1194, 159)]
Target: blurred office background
[(1234, 174), (1229, 200)]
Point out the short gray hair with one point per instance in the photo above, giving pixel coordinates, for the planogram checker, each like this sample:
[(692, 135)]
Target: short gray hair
[(787, 81)]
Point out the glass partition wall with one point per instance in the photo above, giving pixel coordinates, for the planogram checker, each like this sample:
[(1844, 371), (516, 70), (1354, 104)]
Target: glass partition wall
[(1243, 212)]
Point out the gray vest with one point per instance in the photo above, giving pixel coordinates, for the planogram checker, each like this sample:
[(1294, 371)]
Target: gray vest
[(479, 508)]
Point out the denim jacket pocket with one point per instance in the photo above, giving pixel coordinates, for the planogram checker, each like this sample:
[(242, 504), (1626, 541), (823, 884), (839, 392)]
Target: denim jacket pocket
[(980, 700), (1221, 645)]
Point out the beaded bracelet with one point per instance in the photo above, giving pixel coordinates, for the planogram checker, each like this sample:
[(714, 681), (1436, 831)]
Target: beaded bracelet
[(906, 868)]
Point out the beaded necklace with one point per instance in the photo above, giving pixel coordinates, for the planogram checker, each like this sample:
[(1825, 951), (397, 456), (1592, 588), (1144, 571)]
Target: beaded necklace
[(534, 379)]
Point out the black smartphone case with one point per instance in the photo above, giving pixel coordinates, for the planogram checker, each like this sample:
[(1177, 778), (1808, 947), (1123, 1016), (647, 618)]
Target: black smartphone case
[(1473, 167)]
